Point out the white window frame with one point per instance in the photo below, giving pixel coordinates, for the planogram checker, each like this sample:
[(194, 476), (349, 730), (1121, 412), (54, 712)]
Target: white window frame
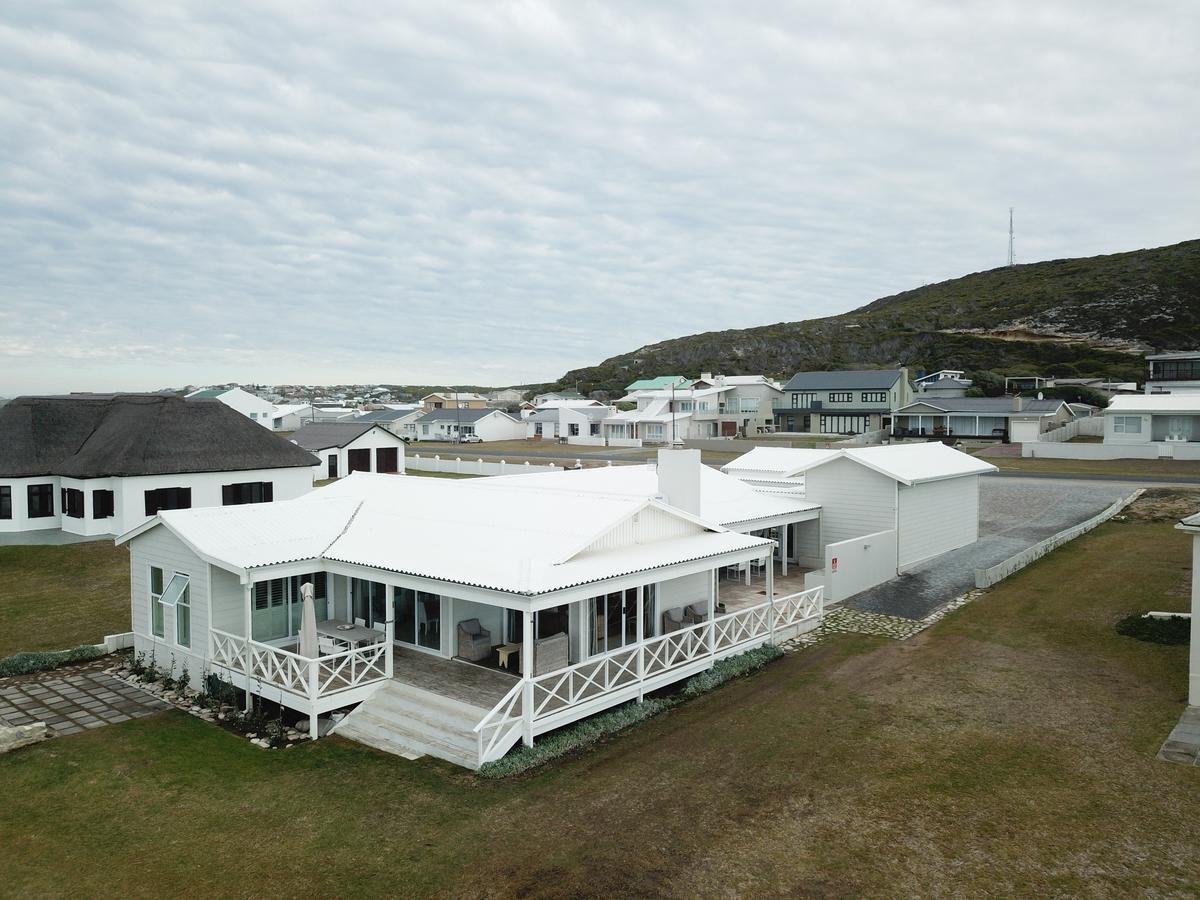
[(1121, 424), (156, 606), (184, 604)]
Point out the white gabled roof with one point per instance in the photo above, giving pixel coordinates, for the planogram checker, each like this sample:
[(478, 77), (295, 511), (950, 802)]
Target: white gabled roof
[(723, 499), (521, 540), (1134, 404), (910, 463), (781, 462)]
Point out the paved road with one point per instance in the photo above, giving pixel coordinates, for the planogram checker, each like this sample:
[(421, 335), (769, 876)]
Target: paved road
[(1014, 513)]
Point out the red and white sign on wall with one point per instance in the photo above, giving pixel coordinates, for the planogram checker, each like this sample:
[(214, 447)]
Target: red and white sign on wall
[(835, 564)]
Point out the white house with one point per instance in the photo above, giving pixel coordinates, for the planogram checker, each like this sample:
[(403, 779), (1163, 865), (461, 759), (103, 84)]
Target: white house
[(451, 424), (567, 420), (710, 407), (249, 405), (1015, 419), (346, 447), (914, 501), (1176, 372), (290, 416), (459, 647), (1145, 420), (101, 464)]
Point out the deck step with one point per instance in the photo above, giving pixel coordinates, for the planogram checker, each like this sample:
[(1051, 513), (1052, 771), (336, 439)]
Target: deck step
[(401, 719)]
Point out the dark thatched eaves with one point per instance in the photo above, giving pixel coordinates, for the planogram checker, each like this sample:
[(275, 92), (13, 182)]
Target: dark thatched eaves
[(99, 435)]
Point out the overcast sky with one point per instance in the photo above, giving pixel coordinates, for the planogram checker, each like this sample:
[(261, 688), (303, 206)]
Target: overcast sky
[(498, 192)]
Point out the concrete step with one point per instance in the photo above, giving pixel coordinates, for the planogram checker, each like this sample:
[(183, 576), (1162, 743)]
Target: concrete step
[(383, 734)]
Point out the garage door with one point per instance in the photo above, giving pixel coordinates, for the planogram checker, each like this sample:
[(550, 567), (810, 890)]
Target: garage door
[(936, 517)]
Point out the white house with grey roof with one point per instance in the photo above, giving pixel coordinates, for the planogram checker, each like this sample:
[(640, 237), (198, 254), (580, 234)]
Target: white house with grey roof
[(253, 407), (552, 602), (101, 464), (1016, 419), (344, 447), (572, 421), (842, 402), (452, 424)]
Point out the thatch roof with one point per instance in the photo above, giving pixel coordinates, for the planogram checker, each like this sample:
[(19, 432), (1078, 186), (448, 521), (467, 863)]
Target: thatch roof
[(99, 435)]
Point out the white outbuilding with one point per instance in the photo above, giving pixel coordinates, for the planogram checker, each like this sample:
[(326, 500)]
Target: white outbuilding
[(354, 446), (923, 496)]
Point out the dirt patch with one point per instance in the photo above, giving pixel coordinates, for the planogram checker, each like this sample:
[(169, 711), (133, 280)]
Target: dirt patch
[(1163, 505)]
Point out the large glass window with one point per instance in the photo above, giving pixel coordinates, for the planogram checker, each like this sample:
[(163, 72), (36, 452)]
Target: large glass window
[(156, 607), (614, 619), (5, 501), (40, 498), (418, 618), (1127, 424)]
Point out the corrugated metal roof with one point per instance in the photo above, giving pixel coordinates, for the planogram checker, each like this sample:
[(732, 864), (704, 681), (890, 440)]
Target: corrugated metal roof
[(989, 406), (910, 463), (510, 538), (1152, 403), (465, 416), (877, 379), (779, 461)]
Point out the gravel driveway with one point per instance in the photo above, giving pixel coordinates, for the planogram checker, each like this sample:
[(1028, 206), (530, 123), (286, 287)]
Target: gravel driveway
[(1014, 513)]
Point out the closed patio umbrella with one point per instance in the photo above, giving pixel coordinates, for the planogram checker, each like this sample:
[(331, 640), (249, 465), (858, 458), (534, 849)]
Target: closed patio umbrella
[(308, 622)]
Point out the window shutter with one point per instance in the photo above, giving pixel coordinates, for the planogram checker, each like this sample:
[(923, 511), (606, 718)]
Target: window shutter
[(185, 498), (227, 495), (268, 491), (151, 502)]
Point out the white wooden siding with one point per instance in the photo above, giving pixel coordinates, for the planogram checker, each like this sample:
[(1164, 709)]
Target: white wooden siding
[(646, 527), (936, 517), (158, 547), (854, 500)]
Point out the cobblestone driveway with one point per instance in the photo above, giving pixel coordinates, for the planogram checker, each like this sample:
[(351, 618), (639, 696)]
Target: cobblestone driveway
[(72, 699)]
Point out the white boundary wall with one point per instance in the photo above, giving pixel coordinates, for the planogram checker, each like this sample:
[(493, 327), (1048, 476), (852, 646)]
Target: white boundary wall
[(458, 465), (997, 573), (1089, 425), (857, 564), (1157, 450)]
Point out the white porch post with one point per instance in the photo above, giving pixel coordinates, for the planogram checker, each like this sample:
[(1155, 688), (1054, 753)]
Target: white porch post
[(312, 699), (248, 602), (771, 602), (389, 634), (527, 675), (783, 546), (1194, 652), (712, 611), (641, 637)]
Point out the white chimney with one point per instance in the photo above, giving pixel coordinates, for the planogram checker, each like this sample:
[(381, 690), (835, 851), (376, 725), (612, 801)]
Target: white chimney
[(679, 479), (1018, 403), (706, 376)]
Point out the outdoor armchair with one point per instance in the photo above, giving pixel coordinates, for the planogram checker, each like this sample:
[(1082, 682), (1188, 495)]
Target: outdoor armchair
[(474, 641)]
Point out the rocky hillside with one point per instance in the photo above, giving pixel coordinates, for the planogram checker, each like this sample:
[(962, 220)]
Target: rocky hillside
[(1066, 317)]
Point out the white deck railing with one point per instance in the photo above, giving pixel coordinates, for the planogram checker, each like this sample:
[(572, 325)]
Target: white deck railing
[(565, 695), (310, 678)]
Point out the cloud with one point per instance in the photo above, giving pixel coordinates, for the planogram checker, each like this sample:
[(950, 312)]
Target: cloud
[(497, 192)]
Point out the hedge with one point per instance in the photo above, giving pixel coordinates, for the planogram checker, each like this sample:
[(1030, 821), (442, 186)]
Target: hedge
[(588, 731), (24, 663)]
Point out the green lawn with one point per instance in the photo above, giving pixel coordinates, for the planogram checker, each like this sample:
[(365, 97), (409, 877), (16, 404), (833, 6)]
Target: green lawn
[(58, 597), (1186, 468), (1007, 751)]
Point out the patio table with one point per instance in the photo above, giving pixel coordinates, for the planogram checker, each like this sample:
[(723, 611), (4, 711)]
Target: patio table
[(355, 634), (504, 651)]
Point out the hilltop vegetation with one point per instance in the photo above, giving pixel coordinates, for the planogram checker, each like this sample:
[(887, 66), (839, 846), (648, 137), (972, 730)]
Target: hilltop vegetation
[(1068, 317)]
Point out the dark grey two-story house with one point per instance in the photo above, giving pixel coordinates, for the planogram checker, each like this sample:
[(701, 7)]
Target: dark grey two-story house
[(848, 402)]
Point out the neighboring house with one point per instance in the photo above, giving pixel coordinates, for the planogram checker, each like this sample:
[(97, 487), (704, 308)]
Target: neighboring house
[(1153, 419), (254, 408), (918, 500), (567, 419), (707, 408), (453, 400), (391, 419), (506, 396), (595, 600), (661, 383), (842, 402), (346, 447), (1177, 372), (333, 413), (101, 464), (451, 424), (1015, 383), (1098, 385), (946, 383), (290, 416), (1003, 418), (940, 375), (540, 399)]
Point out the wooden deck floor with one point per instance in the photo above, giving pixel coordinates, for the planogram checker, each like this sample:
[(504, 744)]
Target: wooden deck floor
[(451, 678), (738, 595)]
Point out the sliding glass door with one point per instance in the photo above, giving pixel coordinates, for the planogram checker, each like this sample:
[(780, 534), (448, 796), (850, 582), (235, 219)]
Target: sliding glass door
[(418, 618), (613, 618)]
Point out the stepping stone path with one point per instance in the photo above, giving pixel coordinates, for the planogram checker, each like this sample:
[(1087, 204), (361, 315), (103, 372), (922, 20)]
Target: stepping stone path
[(844, 620), (73, 699)]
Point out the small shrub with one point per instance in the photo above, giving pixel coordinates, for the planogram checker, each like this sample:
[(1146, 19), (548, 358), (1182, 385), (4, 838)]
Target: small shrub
[(138, 668), (217, 691), (729, 668), (24, 663), (1172, 630)]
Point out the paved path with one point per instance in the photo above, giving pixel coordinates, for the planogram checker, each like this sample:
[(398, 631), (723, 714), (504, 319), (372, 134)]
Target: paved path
[(1013, 515), (72, 699)]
